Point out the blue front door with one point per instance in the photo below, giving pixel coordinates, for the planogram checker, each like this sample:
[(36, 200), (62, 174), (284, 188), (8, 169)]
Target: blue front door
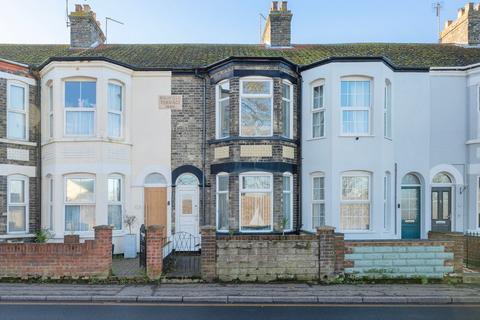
[(410, 208)]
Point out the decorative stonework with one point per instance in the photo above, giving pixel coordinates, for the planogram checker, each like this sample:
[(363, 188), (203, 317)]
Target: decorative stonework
[(222, 152), (256, 151), (18, 154), (288, 152)]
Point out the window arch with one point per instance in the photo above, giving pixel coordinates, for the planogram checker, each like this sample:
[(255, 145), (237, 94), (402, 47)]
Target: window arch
[(223, 205), (411, 179), (17, 204), (442, 178), (187, 179), (355, 202), (155, 179)]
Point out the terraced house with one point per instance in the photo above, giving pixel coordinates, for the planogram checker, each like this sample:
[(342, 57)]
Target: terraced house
[(379, 140)]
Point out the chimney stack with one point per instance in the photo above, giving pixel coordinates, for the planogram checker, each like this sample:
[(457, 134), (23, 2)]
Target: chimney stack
[(278, 31), (85, 31), (465, 30)]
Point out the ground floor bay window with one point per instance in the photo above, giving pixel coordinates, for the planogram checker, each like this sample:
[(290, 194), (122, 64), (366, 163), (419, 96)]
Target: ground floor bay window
[(79, 203), (256, 202), (355, 201)]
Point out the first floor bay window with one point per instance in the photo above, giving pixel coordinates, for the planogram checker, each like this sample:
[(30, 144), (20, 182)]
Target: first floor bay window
[(256, 199), (17, 202), (223, 208), (318, 200), (256, 107), (115, 204), (80, 104), (79, 203), (355, 104), (355, 201)]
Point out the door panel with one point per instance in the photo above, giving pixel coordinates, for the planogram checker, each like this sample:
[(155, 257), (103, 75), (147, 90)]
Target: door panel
[(441, 209), (188, 219), (155, 201), (410, 210)]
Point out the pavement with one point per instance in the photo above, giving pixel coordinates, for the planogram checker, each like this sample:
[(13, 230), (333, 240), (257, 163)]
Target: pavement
[(290, 293)]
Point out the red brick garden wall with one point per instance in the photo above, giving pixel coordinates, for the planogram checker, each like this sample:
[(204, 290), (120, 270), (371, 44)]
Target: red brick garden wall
[(92, 259)]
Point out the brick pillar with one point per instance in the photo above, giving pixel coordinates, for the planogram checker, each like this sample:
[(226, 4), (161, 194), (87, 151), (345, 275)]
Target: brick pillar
[(155, 236), (209, 253), (326, 256), (339, 253), (458, 248), (103, 249), (71, 238)]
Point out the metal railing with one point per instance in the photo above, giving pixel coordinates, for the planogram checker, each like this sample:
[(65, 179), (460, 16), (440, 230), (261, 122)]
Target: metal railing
[(472, 250)]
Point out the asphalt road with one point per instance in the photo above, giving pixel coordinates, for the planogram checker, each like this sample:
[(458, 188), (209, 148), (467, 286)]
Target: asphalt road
[(44, 311)]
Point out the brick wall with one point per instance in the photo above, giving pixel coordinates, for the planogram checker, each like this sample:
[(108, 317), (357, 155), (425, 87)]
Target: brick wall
[(459, 246), (155, 237), (93, 258)]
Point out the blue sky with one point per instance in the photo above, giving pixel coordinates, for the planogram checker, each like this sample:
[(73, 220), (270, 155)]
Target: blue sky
[(229, 21)]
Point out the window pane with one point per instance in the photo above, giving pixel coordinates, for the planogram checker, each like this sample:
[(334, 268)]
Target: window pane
[(355, 188), (223, 211), (286, 91), (115, 216), (187, 179), (50, 125), (17, 191), (89, 94), (441, 178), (286, 105), (222, 183), (287, 202), (256, 116), (355, 216), (80, 94), (287, 179), (17, 98), (318, 97), (318, 124), (17, 219), (256, 211), (50, 99), (410, 179), (16, 125), (80, 190), (256, 87), (79, 218), (256, 182), (318, 215), (79, 123), (224, 90), (114, 190), (355, 93), (114, 124), (355, 122), (72, 94), (318, 188), (155, 178), (114, 97), (224, 117)]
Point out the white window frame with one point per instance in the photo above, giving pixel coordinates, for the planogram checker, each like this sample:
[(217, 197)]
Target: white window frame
[(120, 113), (80, 109), (314, 176), (290, 103), (50, 201), (241, 190), (218, 192), (218, 100), (117, 203), (368, 201), (369, 108), (387, 111), (26, 185), (321, 109), (66, 203), (50, 121), (290, 195), (242, 95), (26, 105), (387, 201)]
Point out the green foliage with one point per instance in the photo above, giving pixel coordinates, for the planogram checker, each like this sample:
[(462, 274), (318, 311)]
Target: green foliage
[(42, 236)]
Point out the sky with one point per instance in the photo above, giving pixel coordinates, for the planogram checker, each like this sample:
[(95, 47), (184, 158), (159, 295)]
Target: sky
[(229, 21)]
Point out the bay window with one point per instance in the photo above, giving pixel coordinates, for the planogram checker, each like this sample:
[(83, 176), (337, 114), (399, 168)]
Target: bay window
[(80, 104), (17, 111), (115, 201), (79, 203), (387, 111), (318, 111), (256, 202), (17, 204), (318, 200), (115, 110), (355, 105), (287, 109), (287, 203), (223, 207), (355, 201), (256, 104), (223, 109)]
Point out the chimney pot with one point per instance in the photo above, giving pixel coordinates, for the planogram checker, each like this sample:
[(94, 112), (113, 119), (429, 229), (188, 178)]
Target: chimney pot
[(284, 6), (274, 6), (78, 8), (86, 8)]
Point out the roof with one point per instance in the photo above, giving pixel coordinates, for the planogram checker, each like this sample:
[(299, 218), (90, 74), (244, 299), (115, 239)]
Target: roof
[(190, 56)]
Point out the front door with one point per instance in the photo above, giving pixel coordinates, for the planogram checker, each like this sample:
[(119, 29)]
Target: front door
[(410, 208), (155, 203), (441, 209), (187, 210)]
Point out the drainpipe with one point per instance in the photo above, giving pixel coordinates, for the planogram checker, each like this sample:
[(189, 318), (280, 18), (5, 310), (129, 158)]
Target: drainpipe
[(204, 142), (299, 148)]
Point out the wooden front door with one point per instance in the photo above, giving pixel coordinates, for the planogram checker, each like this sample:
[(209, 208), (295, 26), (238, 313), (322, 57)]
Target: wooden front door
[(155, 202)]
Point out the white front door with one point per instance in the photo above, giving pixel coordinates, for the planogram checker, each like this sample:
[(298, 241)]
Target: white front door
[(187, 210)]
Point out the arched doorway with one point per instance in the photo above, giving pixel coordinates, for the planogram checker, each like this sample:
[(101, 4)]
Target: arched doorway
[(155, 200), (442, 186), (186, 205), (410, 205)]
